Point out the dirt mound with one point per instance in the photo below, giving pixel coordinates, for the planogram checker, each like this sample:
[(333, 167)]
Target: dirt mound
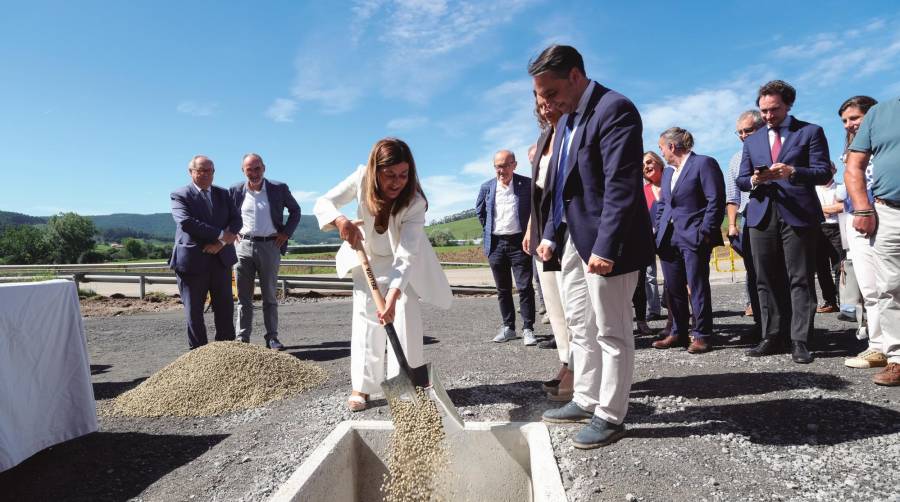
[(218, 378)]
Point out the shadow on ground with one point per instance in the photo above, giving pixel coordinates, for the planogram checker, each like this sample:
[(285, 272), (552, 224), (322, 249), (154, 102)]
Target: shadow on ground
[(777, 422), (102, 466), (111, 390), (529, 400), (726, 385)]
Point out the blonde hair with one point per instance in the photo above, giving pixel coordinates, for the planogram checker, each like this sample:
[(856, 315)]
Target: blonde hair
[(388, 152)]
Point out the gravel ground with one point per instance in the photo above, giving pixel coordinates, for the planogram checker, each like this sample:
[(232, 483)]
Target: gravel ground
[(717, 426)]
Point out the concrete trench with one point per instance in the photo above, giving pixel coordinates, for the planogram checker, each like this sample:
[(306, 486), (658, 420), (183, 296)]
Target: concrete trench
[(489, 461)]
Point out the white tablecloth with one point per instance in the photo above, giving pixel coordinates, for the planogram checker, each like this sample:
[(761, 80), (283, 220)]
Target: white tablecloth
[(45, 376)]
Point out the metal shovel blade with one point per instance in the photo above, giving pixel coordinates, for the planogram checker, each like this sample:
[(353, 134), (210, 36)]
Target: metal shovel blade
[(403, 386)]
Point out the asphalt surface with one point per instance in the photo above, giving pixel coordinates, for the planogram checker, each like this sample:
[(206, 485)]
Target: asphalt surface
[(716, 426)]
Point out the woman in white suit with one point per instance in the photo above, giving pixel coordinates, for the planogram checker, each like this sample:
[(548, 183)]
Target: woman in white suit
[(392, 206)]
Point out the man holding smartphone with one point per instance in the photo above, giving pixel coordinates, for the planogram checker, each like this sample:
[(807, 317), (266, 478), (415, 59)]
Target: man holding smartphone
[(780, 166)]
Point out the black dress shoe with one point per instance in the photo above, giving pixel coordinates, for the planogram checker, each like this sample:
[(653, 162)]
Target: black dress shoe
[(767, 347), (799, 353)]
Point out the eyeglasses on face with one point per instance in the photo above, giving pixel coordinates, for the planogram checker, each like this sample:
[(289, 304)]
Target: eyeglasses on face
[(746, 130)]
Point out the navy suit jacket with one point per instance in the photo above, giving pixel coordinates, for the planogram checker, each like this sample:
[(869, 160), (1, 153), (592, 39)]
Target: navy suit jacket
[(603, 193), (280, 197), (484, 206), (696, 208), (806, 149), (195, 227)]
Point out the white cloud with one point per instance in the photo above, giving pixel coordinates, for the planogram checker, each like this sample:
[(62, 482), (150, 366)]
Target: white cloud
[(282, 110), (431, 42), (407, 123), (448, 195), (197, 109), (303, 196)]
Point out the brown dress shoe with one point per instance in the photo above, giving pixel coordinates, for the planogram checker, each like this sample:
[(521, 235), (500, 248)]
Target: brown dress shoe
[(826, 308), (668, 342), (889, 377), (698, 346)]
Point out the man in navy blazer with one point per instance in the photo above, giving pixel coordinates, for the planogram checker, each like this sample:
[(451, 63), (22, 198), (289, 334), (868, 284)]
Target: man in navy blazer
[(503, 207), (780, 166), (263, 240), (688, 216), (600, 228), (206, 226)]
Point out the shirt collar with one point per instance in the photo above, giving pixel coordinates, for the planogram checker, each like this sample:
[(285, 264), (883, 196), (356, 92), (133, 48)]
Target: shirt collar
[(200, 189), (261, 189), (585, 97), (684, 161)]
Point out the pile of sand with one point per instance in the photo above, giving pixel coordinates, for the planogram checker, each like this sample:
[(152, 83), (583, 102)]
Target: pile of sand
[(217, 378), (417, 452)]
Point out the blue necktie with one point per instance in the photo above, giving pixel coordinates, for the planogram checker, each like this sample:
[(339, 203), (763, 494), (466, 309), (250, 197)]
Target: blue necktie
[(207, 200), (561, 173)]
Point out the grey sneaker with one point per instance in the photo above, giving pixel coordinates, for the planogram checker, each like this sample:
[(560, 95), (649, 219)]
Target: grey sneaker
[(569, 414), (506, 334), (273, 343), (528, 337), (598, 433)]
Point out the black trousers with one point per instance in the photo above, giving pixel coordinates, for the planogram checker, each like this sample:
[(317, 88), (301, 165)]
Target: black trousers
[(784, 258), (639, 298), (194, 288), (752, 290), (829, 253), (508, 262)]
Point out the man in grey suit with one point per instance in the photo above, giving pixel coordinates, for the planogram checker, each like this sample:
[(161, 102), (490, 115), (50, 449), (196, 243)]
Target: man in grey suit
[(206, 226), (263, 240)]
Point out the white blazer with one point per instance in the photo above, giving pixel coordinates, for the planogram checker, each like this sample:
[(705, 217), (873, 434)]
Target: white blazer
[(415, 262)]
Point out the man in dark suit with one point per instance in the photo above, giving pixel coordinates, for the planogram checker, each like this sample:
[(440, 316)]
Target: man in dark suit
[(263, 240), (688, 216), (206, 226), (780, 166), (503, 206), (599, 226)]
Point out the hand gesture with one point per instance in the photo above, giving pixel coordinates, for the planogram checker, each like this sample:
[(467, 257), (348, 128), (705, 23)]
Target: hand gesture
[(213, 248)]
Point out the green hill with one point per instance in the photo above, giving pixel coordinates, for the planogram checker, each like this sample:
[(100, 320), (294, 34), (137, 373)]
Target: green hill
[(468, 228)]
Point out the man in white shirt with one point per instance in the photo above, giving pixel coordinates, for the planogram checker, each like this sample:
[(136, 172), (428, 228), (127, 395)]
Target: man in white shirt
[(263, 239), (829, 251), (503, 207)]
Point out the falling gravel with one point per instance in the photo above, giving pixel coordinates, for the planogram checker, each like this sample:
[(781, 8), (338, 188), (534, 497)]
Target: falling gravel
[(417, 451), (218, 378)]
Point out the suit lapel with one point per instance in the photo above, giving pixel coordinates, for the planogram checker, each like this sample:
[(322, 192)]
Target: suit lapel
[(580, 129), (791, 139), (198, 201), (492, 199), (685, 170)]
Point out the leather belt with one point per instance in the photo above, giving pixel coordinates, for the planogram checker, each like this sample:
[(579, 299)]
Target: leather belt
[(889, 203), (259, 239)]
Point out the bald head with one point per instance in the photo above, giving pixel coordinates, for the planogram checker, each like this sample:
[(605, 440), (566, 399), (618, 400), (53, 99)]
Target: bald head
[(504, 165)]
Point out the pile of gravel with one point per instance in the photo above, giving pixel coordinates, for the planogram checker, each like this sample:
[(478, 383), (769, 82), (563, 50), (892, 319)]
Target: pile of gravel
[(417, 451), (218, 378)]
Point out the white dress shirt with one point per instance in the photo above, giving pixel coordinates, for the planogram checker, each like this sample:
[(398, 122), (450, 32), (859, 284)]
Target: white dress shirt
[(256, 213), (506, 210), (676, 174)]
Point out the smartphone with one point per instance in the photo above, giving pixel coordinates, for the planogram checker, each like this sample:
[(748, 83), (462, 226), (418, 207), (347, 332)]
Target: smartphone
[(761, 168)]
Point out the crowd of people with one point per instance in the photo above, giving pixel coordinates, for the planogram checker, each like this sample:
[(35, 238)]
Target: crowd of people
[(597, 215)]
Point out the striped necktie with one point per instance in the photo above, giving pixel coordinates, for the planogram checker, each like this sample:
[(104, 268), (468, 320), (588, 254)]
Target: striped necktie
[(207, 200), (560, 174)]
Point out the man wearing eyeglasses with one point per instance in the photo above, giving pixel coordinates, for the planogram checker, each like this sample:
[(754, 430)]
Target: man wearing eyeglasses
[(739, 233), (206, 226), (503, 207)]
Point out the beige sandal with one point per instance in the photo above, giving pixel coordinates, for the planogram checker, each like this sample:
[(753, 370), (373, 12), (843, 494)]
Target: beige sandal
[(358, 402)]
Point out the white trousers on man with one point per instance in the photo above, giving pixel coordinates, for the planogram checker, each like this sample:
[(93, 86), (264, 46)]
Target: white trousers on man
[(598, 314), (862, 254), (368, 341), (887, 280)]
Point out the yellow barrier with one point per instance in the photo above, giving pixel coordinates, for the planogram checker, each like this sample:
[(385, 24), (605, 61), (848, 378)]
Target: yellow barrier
[(725, 256)]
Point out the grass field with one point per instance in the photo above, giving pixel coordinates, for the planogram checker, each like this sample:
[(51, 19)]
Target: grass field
[(468, 228)]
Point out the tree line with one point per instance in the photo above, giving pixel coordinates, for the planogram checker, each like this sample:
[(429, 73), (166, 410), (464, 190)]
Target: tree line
[(72, 238)]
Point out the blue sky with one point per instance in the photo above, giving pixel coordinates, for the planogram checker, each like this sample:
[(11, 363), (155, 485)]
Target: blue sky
[(102, 104)]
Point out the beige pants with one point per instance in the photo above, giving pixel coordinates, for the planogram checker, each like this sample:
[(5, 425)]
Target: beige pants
[(598, 313), (369, 343)]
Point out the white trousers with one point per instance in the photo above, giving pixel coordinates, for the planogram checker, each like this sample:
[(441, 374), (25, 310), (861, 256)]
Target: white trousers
[(553, 303), (862, 252), (598, 313), (887, 279), (369, 343)]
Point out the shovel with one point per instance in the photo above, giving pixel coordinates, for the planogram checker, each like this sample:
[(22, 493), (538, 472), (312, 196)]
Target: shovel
[(405, 383)]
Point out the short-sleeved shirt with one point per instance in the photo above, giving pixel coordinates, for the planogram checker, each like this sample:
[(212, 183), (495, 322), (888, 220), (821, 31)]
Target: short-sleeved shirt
[(879, 134)]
